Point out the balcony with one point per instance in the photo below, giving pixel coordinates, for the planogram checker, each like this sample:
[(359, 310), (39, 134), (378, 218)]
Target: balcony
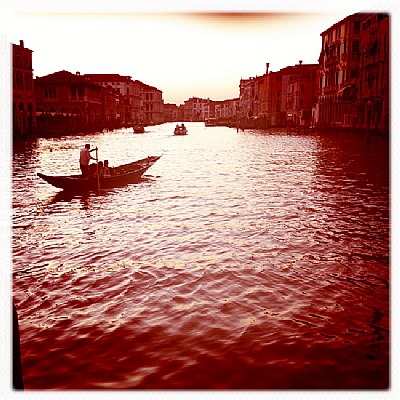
[(332, 59), (329, 90)]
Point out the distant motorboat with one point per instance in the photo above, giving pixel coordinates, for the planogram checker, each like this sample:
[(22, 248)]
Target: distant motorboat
[(138, 129), (180, 130), (210, 122)]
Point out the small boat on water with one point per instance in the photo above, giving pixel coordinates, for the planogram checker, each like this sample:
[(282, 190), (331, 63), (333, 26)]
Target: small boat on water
[(210, 122), (138, 129), (180, 130), (120, 176)]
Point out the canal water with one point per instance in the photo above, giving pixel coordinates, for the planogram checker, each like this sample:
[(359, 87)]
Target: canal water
[(243, 260)]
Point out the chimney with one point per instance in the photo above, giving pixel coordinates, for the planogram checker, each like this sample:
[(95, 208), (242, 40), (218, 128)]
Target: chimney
[(267, 67), (78, 73), (300, 62), (21, 43)]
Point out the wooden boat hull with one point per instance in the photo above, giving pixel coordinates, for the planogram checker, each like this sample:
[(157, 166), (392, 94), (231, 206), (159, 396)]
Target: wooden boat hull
[(123, 175)]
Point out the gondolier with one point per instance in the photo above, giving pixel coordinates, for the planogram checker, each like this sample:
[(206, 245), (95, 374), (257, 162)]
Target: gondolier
[(85, 158)]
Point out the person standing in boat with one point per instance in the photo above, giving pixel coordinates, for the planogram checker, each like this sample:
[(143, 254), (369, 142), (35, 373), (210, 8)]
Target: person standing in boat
[(85, 158)]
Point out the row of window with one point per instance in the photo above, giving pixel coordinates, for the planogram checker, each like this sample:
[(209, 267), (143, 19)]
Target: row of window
[(23, 81), (355, 48), (298, 103), (339, 32), (334, 78), (76, 92), (373, 19), (23, 62), (342, 29), (291, 89)]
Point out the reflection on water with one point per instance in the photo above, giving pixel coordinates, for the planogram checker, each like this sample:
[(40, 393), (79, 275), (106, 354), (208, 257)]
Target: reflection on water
[(245, 260)]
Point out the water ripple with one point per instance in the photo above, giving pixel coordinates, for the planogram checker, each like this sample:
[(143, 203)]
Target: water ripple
[(249, 260)]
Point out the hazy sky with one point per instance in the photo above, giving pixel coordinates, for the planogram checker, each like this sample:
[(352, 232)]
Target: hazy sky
[(184, 52)]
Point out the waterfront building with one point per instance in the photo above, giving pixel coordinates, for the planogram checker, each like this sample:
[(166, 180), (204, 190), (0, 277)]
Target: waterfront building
[(354, 73), (131, 104), (24, 101), (113, 108), (181, 112), (339, 64), (152, 104), (246, 97), (226, 111), (260, 101), (276, 99), (193, 109), (198, 109), (208, 109), (374, 73), (274, 104), (301, 95), (67, 101), (170, 112)]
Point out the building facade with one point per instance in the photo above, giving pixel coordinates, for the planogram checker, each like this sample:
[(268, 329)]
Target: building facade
[(152, 104), (301, 95), (131, 107), (208, 109), (277, 99), (227, 112), (374, 81), (354, 73), (67, 101), (193, 109), (24, 100), (246, 97), (171, 112), (339, 72)]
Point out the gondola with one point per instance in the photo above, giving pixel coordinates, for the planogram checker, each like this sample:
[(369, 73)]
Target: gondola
[(120, 176)]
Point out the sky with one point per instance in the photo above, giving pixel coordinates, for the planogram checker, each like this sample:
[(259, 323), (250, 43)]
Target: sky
[(183, 51)]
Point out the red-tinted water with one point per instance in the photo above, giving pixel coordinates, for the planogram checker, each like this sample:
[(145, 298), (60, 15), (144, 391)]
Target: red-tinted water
[(247, 260)]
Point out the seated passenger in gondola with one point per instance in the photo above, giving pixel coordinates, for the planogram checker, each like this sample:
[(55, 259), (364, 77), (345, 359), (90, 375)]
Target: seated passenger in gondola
[(107, 171), (100, 169), (92, 171)]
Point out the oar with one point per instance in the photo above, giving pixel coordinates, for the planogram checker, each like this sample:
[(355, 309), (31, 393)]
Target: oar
[(97, 170)]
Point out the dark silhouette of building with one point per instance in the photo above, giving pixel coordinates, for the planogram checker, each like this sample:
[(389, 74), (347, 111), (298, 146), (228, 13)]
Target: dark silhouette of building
[(68, 102), (24, 103), (354, 73), (374, 73)]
